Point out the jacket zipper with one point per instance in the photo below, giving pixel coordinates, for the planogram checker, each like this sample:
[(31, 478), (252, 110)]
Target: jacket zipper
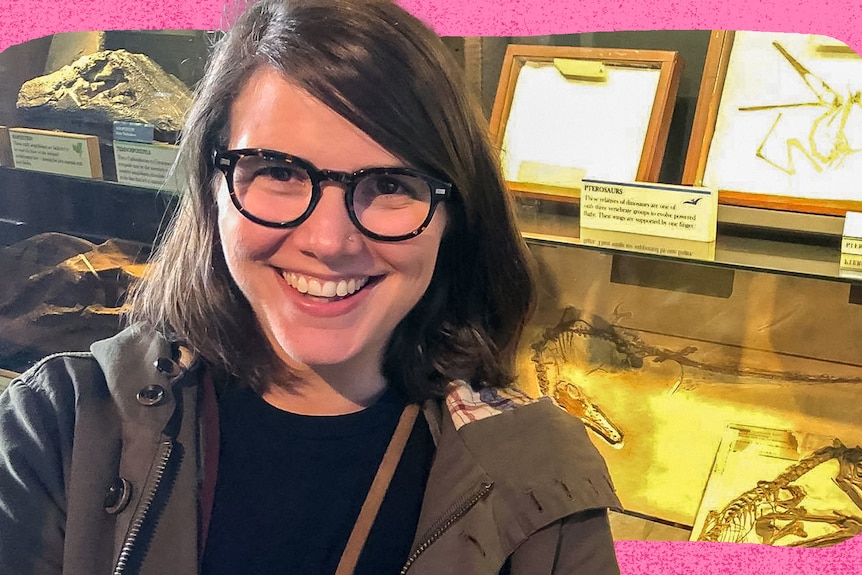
[(446, 521), (163, 456)]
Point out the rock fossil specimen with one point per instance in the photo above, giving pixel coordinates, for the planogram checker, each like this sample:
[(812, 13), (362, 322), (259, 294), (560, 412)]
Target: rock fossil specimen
[(106, 86), (61, 293)]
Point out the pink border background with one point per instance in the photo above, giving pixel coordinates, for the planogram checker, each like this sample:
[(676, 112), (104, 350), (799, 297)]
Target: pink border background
[(22, 20)]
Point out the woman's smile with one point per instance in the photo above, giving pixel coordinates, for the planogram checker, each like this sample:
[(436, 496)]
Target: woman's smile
[(324, 288)]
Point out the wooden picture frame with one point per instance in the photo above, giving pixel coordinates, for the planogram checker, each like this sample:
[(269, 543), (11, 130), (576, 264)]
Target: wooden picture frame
[(767, 130), (559, 123)]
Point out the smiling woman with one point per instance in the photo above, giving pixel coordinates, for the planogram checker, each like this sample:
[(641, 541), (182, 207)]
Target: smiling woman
[(337, 342), (317, 375)]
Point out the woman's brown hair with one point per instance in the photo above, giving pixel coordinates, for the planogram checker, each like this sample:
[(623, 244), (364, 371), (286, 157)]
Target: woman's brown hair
[(392, 77)]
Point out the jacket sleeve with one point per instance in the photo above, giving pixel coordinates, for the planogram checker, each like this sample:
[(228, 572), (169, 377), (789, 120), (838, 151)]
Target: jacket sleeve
[(580, 544), (32, 494)]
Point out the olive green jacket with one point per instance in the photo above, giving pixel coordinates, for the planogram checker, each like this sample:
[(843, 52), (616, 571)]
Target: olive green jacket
[(106, 463)]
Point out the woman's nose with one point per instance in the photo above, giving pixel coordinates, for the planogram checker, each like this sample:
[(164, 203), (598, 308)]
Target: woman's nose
[(328, 231)]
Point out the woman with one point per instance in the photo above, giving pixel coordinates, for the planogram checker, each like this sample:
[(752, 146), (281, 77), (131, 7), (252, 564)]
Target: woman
[(344, 251)]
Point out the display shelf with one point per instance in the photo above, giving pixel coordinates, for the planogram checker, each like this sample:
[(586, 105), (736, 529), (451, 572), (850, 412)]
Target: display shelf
[(813, 256), (69, 249), (33, 202)]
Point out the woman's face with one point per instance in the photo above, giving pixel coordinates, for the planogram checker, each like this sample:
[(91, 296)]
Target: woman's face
[(273, 267)]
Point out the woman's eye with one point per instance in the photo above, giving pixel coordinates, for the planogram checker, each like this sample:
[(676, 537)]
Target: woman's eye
[(278, 173), (388, 186)]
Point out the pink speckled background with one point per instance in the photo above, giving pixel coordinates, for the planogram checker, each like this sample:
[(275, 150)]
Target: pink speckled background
[(22, 20)]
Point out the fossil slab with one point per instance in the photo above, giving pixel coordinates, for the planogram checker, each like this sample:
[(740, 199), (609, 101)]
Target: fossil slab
[(106, 86), (61, 293)]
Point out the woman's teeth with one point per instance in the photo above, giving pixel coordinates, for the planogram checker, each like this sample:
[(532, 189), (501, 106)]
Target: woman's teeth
[(320, 288)]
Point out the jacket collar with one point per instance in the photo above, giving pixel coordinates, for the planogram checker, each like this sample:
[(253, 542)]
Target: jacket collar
[(141, 369), (537, 458), (464, 404)]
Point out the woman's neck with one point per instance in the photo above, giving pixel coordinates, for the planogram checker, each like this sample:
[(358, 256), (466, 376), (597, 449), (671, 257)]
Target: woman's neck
[(326, 390)]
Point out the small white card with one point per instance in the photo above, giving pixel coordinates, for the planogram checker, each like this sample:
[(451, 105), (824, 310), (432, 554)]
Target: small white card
[(851, 262), (56, 152), (682, 212), (851, 240), (146, 165)]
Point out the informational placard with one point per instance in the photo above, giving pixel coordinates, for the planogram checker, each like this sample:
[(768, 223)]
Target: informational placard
[(56, 152), (682, 212), (146, 165), (851, 239), (851, 246), (5, 147), (133, 132), (656, 245), (851, 262)]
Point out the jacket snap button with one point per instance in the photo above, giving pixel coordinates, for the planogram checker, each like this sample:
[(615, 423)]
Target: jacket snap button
[(151, 395), (118, 496)]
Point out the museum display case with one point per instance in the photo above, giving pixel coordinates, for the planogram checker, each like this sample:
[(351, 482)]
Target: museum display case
[(82, 202), (779, 122), (703, 372), (720, 380), (560, 111)]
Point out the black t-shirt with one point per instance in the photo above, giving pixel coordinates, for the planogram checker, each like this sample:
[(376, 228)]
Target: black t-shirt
[(290, 488)]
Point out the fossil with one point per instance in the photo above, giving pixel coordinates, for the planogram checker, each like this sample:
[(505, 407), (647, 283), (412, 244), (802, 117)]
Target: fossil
[(774, 509), (591, 344), (561, 343), (61, 293), (834, 134), (106, 86), (571, 398), (596, 343)]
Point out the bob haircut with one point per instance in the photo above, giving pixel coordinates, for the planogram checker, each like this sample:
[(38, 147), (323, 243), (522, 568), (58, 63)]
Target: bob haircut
[(389, 75)]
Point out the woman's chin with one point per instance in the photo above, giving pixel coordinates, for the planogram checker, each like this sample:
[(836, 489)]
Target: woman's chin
[(327, 352)]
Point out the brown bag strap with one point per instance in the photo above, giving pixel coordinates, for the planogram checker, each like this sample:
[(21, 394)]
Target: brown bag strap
[(378, 490)]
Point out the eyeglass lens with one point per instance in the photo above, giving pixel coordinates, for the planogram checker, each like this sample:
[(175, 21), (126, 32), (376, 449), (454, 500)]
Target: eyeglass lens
[(277, 190)]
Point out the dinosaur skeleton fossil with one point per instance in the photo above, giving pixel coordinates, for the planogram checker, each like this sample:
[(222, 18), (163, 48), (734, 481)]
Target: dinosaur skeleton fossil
[(574, 401), (610, 348), (558, 344), (832, 135), (773, 509)]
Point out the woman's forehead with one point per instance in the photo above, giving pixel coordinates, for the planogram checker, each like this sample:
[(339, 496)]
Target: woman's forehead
[(271, 111)]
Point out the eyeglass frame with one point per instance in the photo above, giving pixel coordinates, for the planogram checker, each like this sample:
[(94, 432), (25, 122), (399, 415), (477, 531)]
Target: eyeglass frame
[(226, 161)]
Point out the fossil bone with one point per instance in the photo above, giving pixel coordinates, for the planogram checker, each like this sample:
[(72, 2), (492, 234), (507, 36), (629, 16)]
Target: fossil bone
[(762, 507)]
